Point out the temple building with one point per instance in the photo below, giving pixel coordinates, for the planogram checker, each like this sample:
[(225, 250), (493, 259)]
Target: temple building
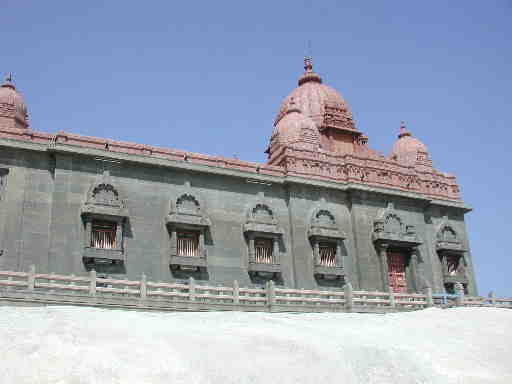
[(323, 210)]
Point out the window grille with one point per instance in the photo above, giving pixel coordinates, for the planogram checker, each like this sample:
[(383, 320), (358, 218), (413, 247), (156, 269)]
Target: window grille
[(188, 244), (103, 235), (263, 251), (327, 254)]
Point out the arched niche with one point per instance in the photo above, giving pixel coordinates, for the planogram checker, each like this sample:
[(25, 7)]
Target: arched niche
[(451, 254), (326, 240), (104, 214), (187, 224), (264, 240)]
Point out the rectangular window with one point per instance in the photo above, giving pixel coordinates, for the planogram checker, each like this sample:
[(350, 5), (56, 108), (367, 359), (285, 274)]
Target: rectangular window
[(327, 253), (263, 251), (187, 244), (103, 235)]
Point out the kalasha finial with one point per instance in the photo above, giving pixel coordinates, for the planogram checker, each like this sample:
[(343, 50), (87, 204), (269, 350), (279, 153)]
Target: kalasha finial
[(308, 64), (403, 130), (8, 81), (308, 74)]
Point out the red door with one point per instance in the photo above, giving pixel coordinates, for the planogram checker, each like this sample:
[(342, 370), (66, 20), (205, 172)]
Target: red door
[(396, 272)]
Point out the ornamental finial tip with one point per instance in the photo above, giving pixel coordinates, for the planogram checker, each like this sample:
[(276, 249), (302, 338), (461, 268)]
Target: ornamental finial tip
[(403, 130), (308, 64), (8, 81)]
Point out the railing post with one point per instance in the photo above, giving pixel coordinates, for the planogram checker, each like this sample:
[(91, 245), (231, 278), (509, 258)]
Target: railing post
[(349, 297), (459, 291), (32, 278), (192, 289), (236, 293), (428, 293), (143, 287), (492, 298), (392, 301), (271, 294), (92, 283)]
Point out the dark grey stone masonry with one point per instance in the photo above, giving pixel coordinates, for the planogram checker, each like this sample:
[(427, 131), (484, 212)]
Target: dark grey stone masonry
[(50, 194)]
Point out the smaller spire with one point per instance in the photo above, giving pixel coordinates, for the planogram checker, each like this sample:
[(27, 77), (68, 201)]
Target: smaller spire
[(403, 130), (8, 81)]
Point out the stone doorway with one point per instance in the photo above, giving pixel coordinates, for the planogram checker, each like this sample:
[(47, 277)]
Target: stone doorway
[(396, 271)]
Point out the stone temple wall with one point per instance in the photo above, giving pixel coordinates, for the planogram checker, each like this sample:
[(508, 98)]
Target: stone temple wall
[(44, 191)]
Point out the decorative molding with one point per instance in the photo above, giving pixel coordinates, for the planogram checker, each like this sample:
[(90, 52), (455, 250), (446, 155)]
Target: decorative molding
[(323, 224), (261, 219), (447, 238), (103, 199), (391, 229), (187, 210), (367, 168)]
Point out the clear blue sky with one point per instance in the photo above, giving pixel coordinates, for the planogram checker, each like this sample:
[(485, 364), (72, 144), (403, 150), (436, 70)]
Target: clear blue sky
[(209, 77)]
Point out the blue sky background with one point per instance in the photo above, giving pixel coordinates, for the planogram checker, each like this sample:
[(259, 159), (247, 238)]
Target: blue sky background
[(208, 77)]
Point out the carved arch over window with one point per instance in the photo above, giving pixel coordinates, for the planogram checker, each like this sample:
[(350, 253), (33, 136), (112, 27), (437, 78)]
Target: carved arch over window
[(324, 217), (105, 194), (188, 204), (447, 233), (323, 223), (390, 226), (448, 238), (261, 213), (104, 198), (187, 209)]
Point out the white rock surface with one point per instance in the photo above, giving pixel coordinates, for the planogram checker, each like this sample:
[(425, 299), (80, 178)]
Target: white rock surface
[(86, 345)]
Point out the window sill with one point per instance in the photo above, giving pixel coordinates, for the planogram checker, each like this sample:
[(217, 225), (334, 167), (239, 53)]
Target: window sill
[(101, 253), (329, 272), (263, 267), (455, 279), (178, 262)]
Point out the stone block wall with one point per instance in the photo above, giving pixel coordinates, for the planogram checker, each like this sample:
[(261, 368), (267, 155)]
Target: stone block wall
[(44, 193)]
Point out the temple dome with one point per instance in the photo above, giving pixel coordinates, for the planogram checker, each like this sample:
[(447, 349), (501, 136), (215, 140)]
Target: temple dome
[(312, 97), (295, 127), (11, 98), (408, 149)]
